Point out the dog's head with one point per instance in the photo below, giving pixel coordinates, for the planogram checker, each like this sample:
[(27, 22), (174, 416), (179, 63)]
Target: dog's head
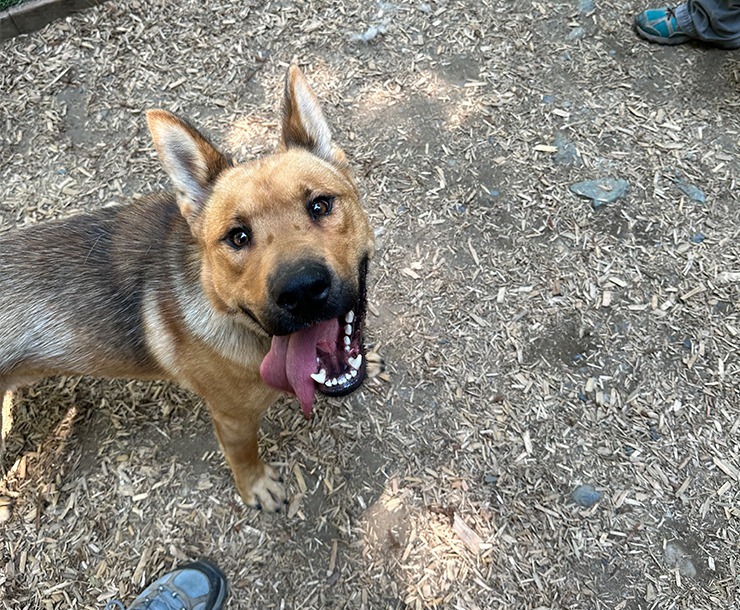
[(284, 242)]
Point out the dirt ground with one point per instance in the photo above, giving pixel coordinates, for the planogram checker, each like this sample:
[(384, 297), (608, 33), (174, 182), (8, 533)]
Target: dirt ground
[(558, 425)]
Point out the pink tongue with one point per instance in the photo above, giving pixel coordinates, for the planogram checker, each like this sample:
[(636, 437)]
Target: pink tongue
[(292, 359)]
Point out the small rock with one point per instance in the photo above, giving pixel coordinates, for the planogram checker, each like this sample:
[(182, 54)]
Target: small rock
[(369, 34), (585, 495), (723, 307), (691, 191), (567, 154), (576, 33), (491, 479), (426, 8), (677, 557), (585, 6), (548, 99), (697, 238), (686, 343), (601, 192)]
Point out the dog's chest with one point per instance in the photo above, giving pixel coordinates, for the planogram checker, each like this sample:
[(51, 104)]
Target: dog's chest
[(184, 336)]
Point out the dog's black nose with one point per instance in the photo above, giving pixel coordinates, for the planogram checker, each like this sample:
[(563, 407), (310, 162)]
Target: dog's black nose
[(302, 290)]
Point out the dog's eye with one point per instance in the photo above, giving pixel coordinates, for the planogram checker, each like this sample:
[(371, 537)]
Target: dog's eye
[(320, 206), (238, 238)]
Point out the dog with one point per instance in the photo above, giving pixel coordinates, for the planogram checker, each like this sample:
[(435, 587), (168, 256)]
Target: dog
[(248, 281)]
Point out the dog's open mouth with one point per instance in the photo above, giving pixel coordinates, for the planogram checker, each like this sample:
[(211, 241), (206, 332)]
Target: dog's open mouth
[(327, 356)]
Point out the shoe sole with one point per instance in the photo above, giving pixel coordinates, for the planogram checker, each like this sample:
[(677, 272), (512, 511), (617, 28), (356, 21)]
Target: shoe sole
[(661, 39)]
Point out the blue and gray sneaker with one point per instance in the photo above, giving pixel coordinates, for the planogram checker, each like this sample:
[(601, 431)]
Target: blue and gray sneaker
[(676, 26), (195, 586), (660, 25)]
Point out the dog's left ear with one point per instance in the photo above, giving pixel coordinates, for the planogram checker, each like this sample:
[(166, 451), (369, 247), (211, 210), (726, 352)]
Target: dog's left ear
[(190, 160), (304, 125)]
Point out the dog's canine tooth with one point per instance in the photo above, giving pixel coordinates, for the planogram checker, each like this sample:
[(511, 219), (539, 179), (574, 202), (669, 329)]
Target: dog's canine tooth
[(355, 362), (319, 377), (350, 317)]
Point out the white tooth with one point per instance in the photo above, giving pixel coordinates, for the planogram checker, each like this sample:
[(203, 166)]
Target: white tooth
[(327, 383), (348, 329), (319, 377), (346, 340), (353, 373), (346, 348), (355, 362), (341, 380), (334, 382), (350, 317)]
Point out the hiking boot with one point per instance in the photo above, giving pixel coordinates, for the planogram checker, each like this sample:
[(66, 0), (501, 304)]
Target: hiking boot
[(195, 586)]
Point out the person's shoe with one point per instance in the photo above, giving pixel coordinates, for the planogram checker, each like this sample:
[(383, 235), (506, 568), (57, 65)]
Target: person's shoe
[(660, 25), (195, 586)]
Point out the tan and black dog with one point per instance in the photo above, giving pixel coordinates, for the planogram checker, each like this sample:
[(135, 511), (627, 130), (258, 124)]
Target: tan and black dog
[(249, 280)]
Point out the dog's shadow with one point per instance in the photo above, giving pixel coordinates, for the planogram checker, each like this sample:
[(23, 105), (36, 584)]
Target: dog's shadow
[(33, 416), (74, 420)]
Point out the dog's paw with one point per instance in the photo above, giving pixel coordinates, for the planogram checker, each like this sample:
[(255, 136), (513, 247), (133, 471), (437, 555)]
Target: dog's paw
[(267, 493), (374, 364)]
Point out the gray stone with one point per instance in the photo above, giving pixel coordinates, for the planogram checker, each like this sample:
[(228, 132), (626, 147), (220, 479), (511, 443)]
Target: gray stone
[(585, 6), (585, 495), (567, 154), (576, 33), (602, 191), (370, 33), (691, 191), (677, 557)]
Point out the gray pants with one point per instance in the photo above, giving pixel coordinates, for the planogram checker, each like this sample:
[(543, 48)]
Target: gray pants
[(714, 21)]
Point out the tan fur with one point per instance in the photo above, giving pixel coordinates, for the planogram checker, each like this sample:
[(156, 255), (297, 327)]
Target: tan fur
[(152, 290)]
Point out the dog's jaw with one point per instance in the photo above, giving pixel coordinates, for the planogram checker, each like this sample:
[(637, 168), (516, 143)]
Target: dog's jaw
[(327, 356), (341, 370)]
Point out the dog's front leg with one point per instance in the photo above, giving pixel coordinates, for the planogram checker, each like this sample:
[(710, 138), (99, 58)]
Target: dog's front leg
[(237, 423)]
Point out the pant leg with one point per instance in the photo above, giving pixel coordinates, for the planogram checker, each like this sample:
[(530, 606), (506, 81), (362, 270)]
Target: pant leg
[(710, 20)]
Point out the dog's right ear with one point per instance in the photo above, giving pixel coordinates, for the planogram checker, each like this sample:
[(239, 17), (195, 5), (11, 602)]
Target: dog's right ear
[(190, 160)]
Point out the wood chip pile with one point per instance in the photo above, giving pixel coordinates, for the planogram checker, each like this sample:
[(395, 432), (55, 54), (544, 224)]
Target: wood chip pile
[(558, 424)]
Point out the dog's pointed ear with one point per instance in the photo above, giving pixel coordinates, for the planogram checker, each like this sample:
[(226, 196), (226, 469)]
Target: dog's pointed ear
[(190, 160), (304, 125)]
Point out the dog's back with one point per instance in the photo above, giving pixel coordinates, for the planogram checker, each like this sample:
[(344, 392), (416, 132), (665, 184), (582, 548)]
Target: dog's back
[(72, 290)]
